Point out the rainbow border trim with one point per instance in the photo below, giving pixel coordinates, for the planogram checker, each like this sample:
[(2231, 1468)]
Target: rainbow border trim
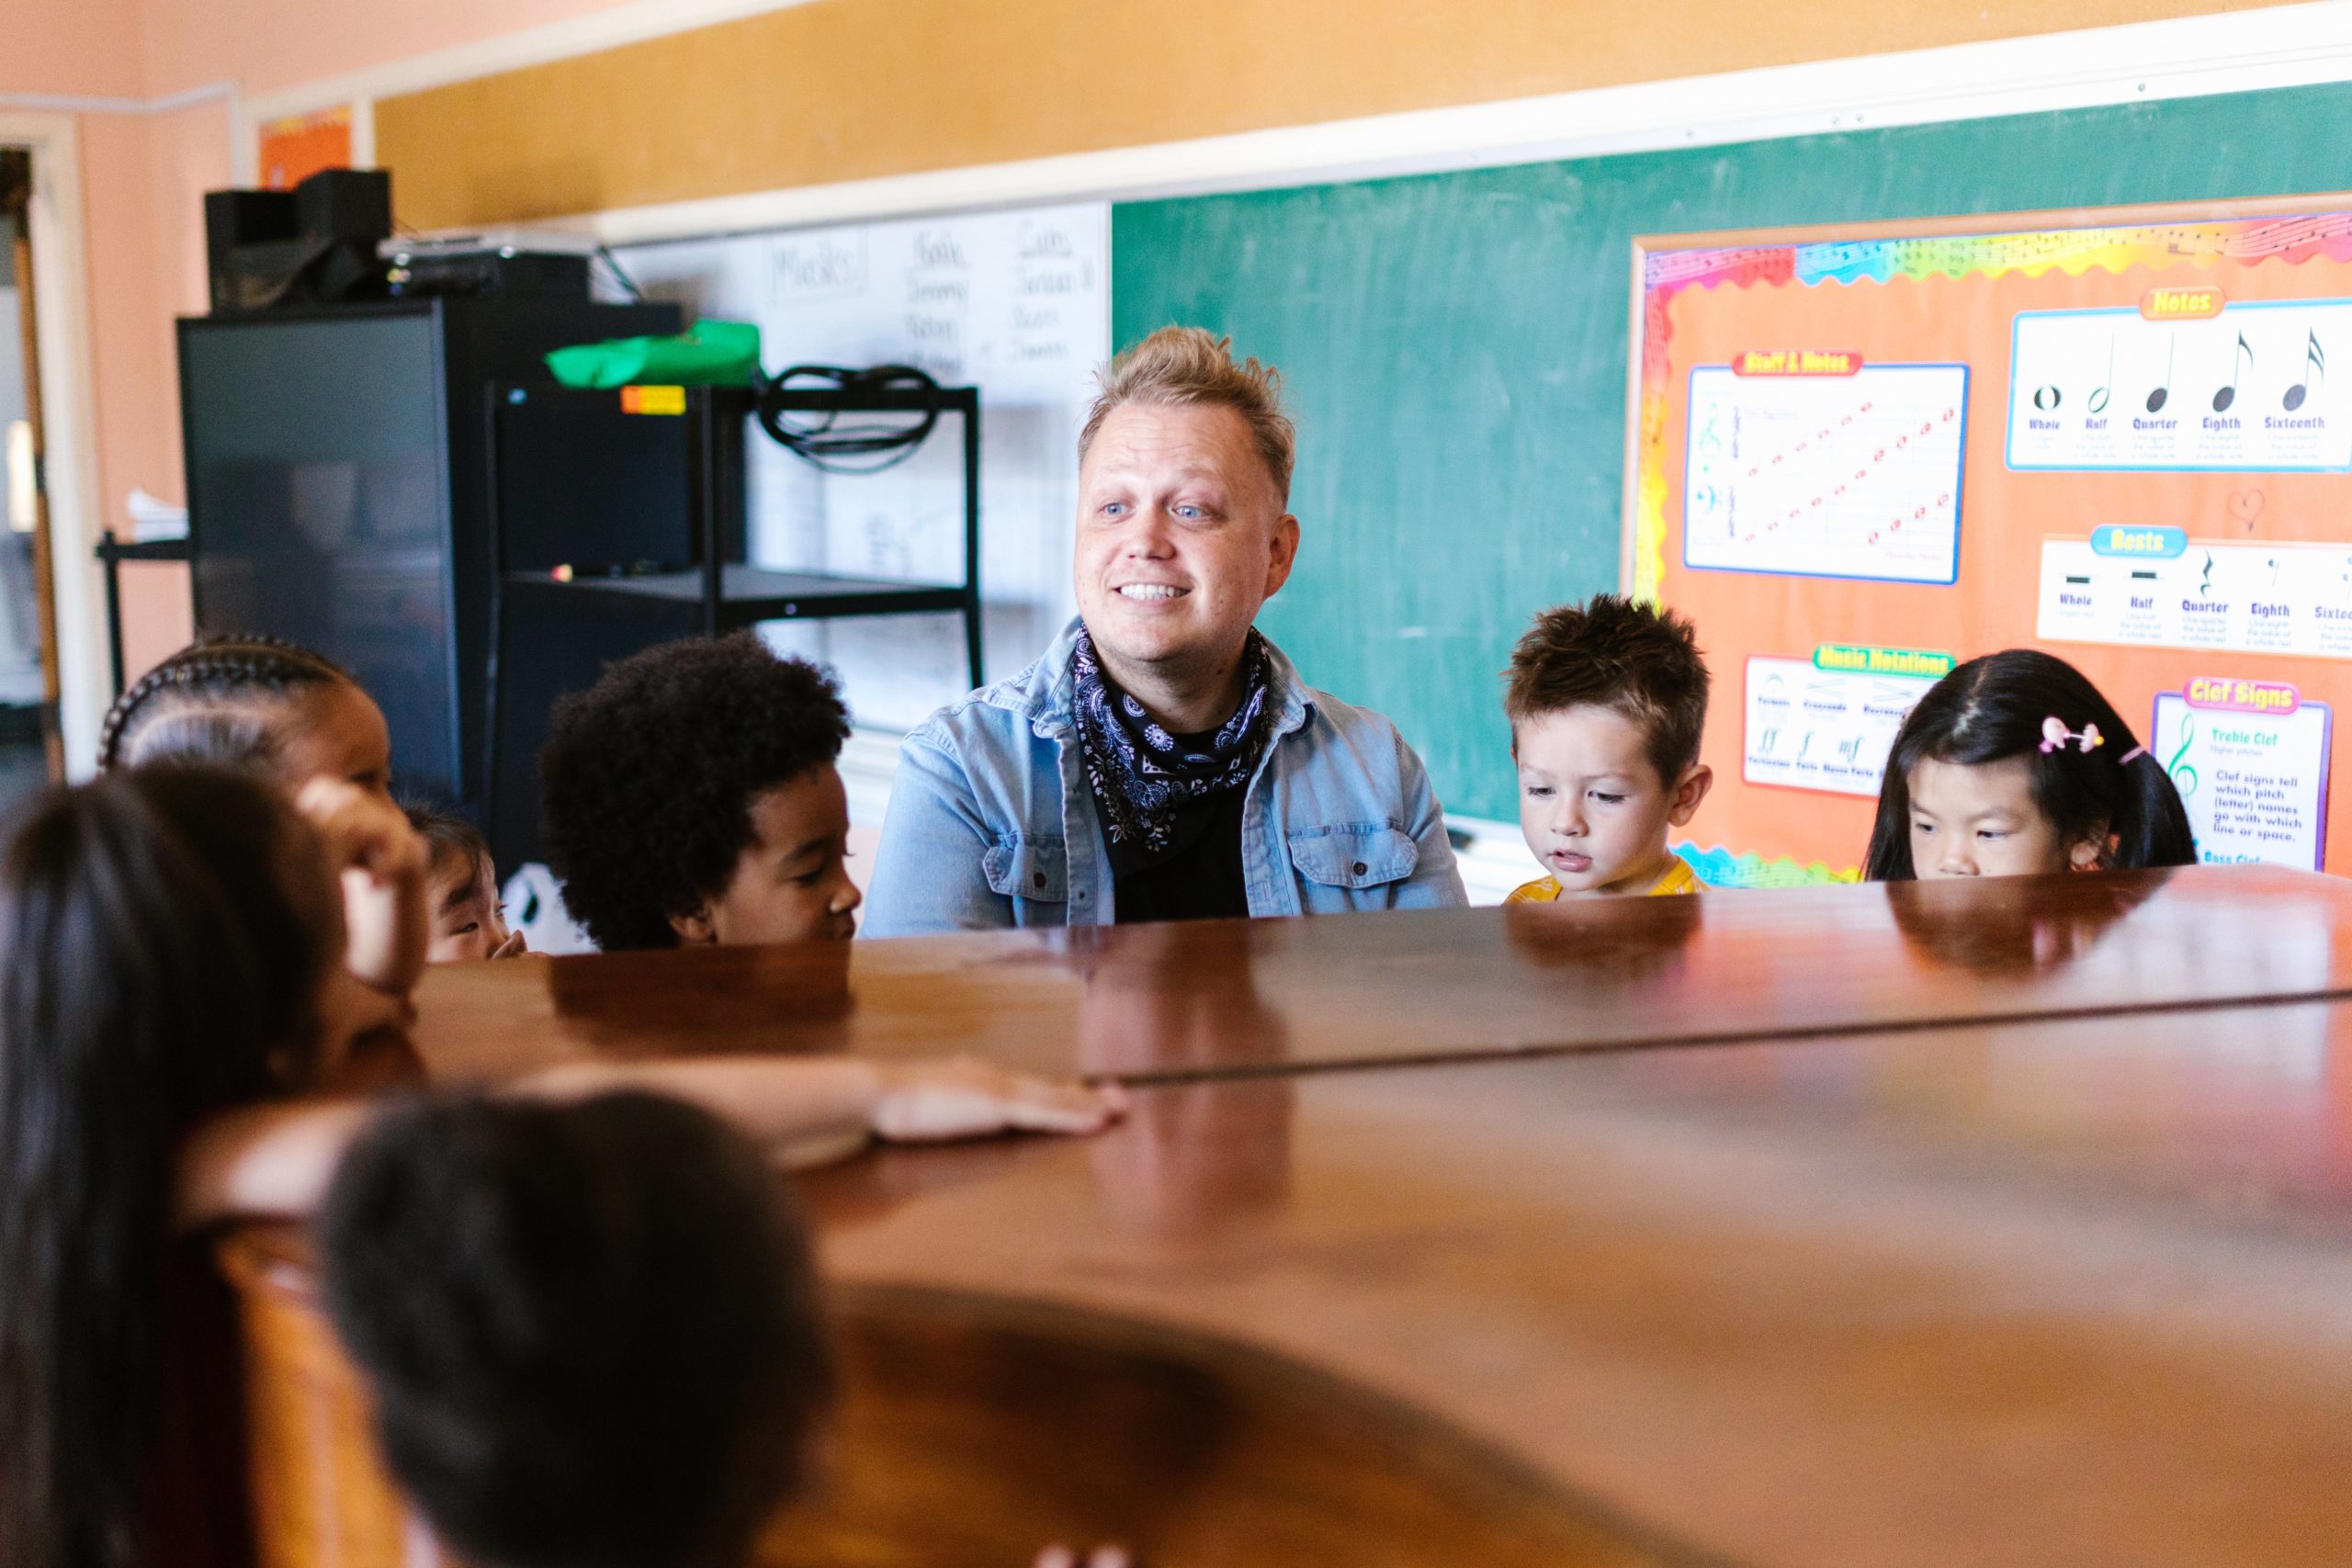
[(1720, 867)]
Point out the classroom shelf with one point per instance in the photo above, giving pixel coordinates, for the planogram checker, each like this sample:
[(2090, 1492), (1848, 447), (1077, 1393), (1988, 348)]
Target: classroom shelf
[(749, 594), (111, 553), (577, 486)]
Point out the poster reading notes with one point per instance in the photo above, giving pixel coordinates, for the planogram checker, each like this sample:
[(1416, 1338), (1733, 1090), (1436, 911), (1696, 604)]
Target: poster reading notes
[(2249, 758)]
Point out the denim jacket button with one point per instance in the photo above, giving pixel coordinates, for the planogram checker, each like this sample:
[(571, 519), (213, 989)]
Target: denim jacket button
[(1039, 879), (1357, 868)]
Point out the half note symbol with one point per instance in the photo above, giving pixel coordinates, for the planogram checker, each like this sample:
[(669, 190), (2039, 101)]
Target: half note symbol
[(2314, 369), (2156, 399), (2098, 400), (2229, 394)]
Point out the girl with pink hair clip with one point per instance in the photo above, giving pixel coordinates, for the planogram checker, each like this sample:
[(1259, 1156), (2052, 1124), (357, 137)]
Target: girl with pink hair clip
[(2014, 764)]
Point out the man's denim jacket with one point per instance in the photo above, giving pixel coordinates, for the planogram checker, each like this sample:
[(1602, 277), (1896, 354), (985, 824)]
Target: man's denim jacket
[(991, 822)]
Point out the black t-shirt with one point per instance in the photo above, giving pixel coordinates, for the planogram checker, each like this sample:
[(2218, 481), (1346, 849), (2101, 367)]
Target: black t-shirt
[(1198, 875)]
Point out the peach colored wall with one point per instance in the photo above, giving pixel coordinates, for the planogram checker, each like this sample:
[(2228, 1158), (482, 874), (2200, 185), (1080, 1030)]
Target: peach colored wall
[(143, 180), (72, 46), (269, 44)]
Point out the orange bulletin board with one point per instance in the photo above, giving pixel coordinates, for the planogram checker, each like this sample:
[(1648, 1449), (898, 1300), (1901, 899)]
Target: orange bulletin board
[(295, 147), (1863, 455)]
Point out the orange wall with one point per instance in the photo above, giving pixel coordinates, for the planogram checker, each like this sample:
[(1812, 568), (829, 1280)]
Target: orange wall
[(855, 89)]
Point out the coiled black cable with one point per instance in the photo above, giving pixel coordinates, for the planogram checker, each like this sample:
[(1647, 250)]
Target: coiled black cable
[(848, 442)]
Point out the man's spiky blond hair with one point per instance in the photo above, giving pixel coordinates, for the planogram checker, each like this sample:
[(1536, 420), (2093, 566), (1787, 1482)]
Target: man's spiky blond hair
[(1186, 367)]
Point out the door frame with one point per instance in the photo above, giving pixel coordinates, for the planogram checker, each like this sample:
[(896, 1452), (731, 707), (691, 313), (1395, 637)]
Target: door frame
[(68, 422)]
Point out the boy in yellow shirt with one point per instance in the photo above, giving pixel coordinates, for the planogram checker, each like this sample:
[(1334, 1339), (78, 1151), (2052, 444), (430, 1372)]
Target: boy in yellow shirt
[(1607, 701)]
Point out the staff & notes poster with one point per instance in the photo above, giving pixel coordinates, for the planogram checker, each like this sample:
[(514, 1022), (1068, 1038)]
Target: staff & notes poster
[(1864, 457)]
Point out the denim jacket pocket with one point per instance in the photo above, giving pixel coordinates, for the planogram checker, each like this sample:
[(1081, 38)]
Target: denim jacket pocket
[(1035, 869), (1364, 855)]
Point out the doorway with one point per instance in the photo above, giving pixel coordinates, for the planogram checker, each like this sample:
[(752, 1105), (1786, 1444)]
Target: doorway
[(31, 752)]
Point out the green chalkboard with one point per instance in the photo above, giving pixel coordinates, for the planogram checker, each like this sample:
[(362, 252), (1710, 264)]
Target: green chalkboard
[(1454, 348)]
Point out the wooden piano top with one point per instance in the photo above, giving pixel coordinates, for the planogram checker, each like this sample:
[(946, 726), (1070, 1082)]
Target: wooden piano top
[(2008, 1222), (2064, 1293), (1154, 1002)]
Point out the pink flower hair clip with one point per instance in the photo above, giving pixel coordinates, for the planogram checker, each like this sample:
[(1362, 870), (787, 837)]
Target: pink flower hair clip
[(2055, 735)]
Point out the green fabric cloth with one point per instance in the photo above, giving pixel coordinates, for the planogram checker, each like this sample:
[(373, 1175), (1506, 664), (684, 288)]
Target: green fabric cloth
[(709, 353)]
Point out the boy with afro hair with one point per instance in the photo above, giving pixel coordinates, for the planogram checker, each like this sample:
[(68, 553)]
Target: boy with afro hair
[(690, 797)]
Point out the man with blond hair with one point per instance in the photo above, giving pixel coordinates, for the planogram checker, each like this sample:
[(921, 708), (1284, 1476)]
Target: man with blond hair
[(1163, 760)]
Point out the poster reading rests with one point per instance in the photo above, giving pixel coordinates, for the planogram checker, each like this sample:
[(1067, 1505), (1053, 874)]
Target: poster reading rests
[(1850, 473)]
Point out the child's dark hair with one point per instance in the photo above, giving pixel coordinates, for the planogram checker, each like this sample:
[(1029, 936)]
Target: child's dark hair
[(590, 1331), (449, 841), (198, 705), (1611, 652), (648, 777), (1992, 709), (165, 941)]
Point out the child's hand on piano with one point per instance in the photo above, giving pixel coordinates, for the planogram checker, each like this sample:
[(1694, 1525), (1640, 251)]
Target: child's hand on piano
[(1101, 1557), (926, 1102)]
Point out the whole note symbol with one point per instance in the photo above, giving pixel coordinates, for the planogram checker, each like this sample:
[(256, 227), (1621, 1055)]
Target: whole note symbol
[(2314, 369), (2229, 394), (2156, 399)]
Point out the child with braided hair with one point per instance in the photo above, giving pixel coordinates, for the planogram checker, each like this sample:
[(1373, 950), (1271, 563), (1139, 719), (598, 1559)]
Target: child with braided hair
[(299, 721), (254, 701)]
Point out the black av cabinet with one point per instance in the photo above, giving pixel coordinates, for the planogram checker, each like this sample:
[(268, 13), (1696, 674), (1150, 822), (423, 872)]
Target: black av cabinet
[(338, 495)]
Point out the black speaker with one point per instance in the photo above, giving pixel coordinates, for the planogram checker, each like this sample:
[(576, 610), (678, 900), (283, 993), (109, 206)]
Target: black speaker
[(233, 218), (345, 204)]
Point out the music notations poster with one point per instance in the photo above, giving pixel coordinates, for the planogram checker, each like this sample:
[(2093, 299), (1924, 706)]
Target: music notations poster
[(2122, 436)]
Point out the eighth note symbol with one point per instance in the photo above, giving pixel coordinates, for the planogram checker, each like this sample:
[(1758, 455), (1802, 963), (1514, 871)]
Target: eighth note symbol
[(2314, 369), (2229, 394)]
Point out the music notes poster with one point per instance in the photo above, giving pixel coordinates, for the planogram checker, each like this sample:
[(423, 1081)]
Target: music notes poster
[(2127, 440)]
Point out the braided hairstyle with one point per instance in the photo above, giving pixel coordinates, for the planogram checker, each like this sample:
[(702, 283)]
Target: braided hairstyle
[(209, 701)]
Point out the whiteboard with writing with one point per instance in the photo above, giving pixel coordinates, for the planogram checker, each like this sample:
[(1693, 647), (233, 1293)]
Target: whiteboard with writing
[(1016, 303)]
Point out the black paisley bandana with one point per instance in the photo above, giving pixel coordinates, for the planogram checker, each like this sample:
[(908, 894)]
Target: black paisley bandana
[(1142, 776)]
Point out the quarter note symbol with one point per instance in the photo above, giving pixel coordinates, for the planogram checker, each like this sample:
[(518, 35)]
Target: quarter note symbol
[(2229, 394), (2156, 399), (2097, 402), (2314, 369)]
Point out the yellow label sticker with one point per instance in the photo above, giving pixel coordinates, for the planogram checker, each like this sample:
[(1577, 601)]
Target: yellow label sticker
[(654, 400)]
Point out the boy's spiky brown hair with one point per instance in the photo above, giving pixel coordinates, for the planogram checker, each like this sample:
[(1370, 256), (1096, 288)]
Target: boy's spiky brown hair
[(1611, 652)]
